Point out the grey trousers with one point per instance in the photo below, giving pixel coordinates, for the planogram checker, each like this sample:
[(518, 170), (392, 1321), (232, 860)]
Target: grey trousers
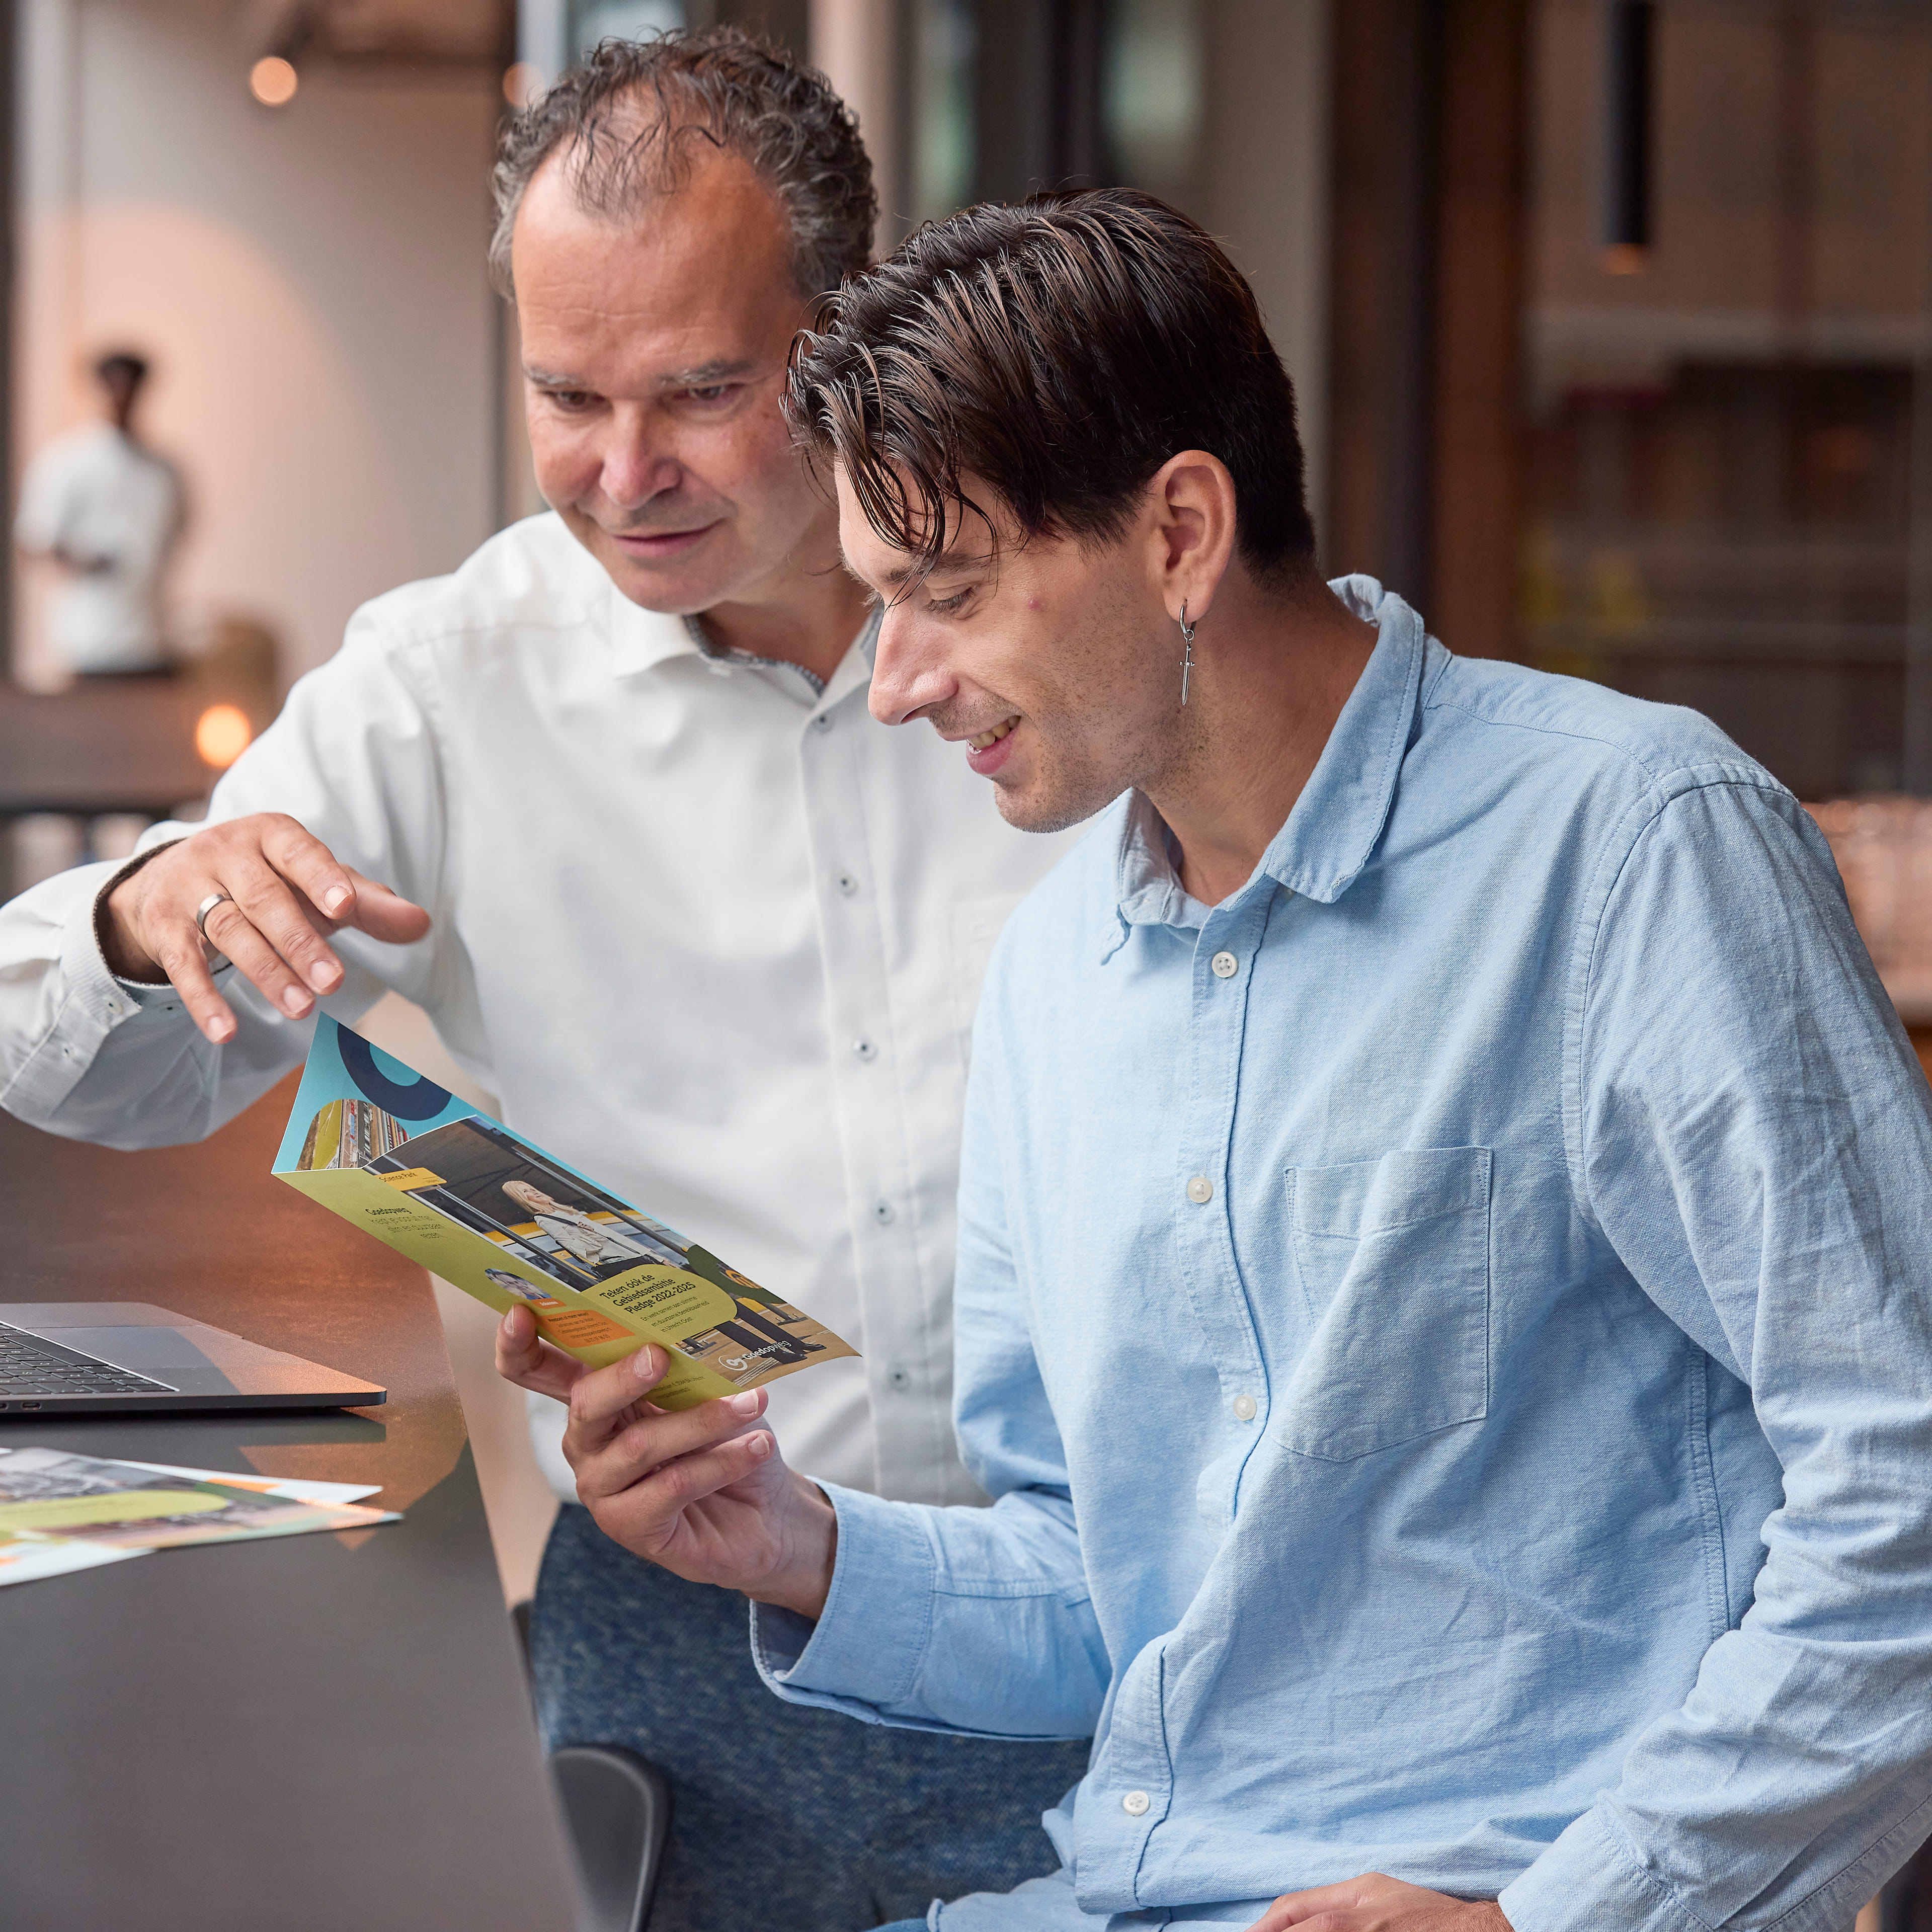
[(787, 1819)]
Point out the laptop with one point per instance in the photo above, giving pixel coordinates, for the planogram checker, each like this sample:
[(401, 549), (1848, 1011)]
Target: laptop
[(117, 1357)]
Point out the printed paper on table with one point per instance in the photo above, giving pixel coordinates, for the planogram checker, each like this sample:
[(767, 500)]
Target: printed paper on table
[(61, 1511)]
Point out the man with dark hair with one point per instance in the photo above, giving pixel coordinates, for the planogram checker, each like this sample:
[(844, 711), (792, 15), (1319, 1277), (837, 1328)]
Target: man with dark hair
[(108, 510), (675, 666), (1442, 1298)]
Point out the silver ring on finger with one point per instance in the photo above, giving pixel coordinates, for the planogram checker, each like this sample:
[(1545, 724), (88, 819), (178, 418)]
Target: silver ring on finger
[(207, 906), (217, 958)]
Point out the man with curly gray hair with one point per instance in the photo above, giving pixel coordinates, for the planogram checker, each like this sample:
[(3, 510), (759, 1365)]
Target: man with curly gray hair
[(634, 119), (720, 943)]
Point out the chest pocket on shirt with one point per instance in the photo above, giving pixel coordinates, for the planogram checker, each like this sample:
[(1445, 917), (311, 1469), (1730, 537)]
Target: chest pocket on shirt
[(1394, 1257)]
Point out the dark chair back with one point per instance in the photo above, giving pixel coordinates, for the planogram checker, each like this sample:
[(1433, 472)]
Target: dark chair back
[(616, 1809)]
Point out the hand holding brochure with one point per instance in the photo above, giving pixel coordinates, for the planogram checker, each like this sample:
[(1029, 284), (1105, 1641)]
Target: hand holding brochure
[(496, 1217)]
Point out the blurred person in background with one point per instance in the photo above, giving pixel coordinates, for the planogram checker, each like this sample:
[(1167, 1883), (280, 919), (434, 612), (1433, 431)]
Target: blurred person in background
[(676, 665), (108, 511)]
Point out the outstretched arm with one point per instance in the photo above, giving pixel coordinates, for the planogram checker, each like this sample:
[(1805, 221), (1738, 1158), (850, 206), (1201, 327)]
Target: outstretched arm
[(113, 1028), (283, 893)]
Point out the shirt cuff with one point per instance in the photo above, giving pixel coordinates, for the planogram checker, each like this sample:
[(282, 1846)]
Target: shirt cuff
[(866, 1649), (86, 965), (86, 1002), (1589, 1878), (83, 968)]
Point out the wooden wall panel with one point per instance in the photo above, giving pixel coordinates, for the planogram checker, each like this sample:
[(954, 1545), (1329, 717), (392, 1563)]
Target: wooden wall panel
[(1427, 289), (1388, 92), (1476, 492)]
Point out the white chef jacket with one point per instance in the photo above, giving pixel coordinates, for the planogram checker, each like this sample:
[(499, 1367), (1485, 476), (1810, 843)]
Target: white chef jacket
[(97, 493), (714, 939)]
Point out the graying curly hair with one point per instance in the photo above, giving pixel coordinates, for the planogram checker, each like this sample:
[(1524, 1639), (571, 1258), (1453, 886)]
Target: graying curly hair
[(626, 119)]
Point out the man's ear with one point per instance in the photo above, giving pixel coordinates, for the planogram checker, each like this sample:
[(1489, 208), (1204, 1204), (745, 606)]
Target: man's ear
[(1192, 499)]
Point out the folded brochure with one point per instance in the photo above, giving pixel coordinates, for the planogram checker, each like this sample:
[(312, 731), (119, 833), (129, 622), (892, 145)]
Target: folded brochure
[(60, 1511), (443, 1182)]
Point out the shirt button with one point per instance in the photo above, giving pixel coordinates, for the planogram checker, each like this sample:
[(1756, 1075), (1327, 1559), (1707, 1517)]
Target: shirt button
[(846, 884), (1200, 1189), (1135, 1803), (1226, 965), (864, 1049), (823, 722), (1244, 1407), (900, 1379), (882, 1212)]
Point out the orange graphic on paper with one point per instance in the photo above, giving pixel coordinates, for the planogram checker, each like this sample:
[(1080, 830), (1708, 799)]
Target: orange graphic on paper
[(579, 1327)]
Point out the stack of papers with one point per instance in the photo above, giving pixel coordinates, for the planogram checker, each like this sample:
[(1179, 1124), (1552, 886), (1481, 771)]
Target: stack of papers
[(61, 1512)]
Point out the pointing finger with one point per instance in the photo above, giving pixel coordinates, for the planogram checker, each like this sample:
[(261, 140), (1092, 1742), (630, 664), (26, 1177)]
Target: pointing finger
[(381, 913)]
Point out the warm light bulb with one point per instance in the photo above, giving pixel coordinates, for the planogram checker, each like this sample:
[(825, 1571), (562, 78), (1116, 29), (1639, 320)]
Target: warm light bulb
[(522, 83), (221, 735), (273, 81)]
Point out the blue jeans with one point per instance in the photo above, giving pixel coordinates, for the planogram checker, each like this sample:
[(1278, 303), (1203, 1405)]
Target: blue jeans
[(795, 1820)]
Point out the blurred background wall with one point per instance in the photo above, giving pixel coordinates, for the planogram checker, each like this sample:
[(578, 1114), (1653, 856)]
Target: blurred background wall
[(307, 280), (1720, 505), (1681, 459)]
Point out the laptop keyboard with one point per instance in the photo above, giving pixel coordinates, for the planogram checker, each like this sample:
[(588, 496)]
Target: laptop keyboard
[(30, 1365)]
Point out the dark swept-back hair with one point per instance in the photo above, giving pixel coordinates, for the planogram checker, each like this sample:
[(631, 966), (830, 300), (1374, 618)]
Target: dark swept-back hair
[(626, 120), (1062, 350)]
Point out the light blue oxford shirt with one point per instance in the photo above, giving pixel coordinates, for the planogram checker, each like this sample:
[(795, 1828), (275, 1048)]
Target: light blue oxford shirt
[(1448, 1334)]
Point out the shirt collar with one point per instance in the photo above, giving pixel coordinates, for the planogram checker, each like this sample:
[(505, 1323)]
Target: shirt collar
[(641, 640), (1148, 887), (1336, 823), (808, 681), (1326, 840)]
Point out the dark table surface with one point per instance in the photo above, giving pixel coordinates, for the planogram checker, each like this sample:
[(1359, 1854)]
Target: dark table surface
[(321, 1731), (102, 747)]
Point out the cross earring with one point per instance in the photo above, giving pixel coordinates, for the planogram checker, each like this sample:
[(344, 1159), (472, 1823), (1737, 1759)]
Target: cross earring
[(1187, 638)]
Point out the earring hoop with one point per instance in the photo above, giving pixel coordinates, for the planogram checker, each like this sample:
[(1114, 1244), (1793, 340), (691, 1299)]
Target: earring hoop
[(1187, 661)]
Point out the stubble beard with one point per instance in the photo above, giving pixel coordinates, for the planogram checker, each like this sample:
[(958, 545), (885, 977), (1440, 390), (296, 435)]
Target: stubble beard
[(1080, 773), (1064, 807)]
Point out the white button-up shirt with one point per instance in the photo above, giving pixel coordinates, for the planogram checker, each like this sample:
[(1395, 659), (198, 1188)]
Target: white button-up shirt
[(97, 493), (712, 936)]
